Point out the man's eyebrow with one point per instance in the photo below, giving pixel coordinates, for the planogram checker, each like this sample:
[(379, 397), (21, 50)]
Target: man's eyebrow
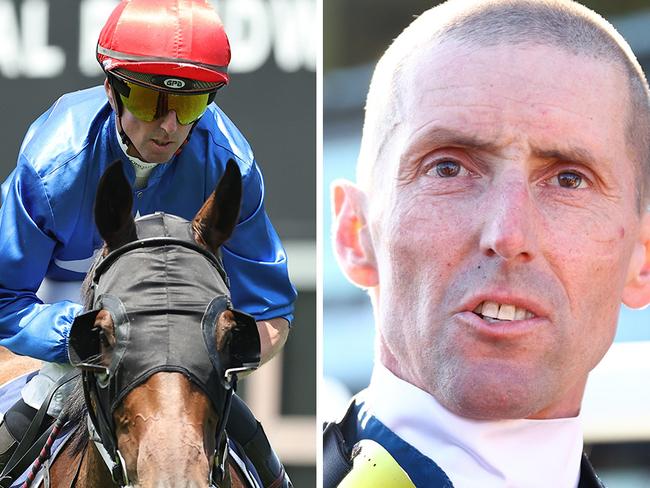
[(570, 154), (432, 137)]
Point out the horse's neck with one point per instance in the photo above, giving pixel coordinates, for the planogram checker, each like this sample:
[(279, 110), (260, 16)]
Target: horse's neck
[(95, 471), (83, 470), (88, 470)]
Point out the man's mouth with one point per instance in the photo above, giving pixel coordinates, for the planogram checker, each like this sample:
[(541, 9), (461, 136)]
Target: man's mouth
[(161, 143), (493, 311)]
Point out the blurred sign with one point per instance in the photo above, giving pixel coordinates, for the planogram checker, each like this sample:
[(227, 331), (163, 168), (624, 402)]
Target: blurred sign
[(258, 30), (47, 48)]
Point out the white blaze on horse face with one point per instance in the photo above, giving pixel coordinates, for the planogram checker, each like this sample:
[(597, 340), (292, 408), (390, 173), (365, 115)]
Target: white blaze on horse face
[(508, 181)]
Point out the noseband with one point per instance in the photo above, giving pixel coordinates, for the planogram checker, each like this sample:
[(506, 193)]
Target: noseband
[(165, 294)]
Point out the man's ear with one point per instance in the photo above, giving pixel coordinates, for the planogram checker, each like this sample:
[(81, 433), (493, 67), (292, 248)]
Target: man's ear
[(352, 240), (636, 293), (109, 93)]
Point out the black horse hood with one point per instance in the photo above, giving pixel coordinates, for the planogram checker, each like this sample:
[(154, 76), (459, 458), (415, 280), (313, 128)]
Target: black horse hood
[(164, 293), (169, 281)]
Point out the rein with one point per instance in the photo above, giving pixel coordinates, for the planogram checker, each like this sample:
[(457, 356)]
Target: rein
[(46, 452), (115, 463), (116, 467), (31, 444), (196, 355)]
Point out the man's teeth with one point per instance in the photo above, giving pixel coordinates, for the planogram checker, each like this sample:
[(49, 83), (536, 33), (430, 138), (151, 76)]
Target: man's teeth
[(502, 311)]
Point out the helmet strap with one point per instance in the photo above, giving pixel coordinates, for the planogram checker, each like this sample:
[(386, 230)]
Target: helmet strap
[(125, 139), (118, 113)]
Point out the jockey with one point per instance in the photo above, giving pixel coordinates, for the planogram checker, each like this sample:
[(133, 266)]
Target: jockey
[(164, 63)]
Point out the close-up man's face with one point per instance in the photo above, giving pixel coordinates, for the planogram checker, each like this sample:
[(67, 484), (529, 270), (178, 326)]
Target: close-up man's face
[(504, 226), (156, 141)]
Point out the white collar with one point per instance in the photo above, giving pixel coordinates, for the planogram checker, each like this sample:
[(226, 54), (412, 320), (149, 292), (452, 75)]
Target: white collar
[(489, 454), (142, 168)]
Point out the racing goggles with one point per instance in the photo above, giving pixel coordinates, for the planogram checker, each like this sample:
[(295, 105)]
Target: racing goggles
[(148, 104)]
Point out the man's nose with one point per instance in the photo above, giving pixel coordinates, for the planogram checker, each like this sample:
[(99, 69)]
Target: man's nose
[(169, 122), (509, 229)]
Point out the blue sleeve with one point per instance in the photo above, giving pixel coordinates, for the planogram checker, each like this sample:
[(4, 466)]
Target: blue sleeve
[(27, 241), (260, 280)]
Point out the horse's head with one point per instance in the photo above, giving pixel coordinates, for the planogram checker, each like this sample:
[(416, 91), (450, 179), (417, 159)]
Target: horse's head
[(162, 341)]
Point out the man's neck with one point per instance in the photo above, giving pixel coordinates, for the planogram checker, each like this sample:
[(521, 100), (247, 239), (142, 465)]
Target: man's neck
[(531, 453), (142, 168)]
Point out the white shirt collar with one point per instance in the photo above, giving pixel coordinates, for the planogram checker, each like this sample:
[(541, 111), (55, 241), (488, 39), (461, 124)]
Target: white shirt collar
[(142, 168), (489, 454)]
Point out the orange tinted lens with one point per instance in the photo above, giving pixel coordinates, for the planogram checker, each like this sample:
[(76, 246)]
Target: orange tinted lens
[(144, 103), (141, 102), (188, 108)]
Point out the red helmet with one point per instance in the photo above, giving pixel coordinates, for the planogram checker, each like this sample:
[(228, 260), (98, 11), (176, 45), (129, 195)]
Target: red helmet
[(168, 44)]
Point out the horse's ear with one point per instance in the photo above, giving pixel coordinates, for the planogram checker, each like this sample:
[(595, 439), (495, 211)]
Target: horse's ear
[(216, 220), (113, 204)]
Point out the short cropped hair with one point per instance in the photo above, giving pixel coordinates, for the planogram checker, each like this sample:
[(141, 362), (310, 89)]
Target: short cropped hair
[(485, 23)]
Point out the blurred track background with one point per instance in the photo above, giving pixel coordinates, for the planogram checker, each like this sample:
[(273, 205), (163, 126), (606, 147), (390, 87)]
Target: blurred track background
[(616, 409), (47, 48)]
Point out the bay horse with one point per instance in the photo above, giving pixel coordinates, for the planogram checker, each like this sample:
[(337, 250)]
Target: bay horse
[(159, 347)]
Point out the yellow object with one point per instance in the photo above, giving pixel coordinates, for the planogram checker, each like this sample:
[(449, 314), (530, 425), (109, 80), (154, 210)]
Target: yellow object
[(148, 104), (374, 467)]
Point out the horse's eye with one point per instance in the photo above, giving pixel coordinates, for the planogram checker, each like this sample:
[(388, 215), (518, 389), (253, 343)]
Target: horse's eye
[(103, 339)]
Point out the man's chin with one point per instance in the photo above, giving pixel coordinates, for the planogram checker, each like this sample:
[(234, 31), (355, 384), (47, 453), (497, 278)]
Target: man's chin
[(158, 159), (496, 395), (490, 408), (155, 153)]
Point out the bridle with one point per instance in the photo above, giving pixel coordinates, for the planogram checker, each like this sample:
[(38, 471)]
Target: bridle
[(117, 286)]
